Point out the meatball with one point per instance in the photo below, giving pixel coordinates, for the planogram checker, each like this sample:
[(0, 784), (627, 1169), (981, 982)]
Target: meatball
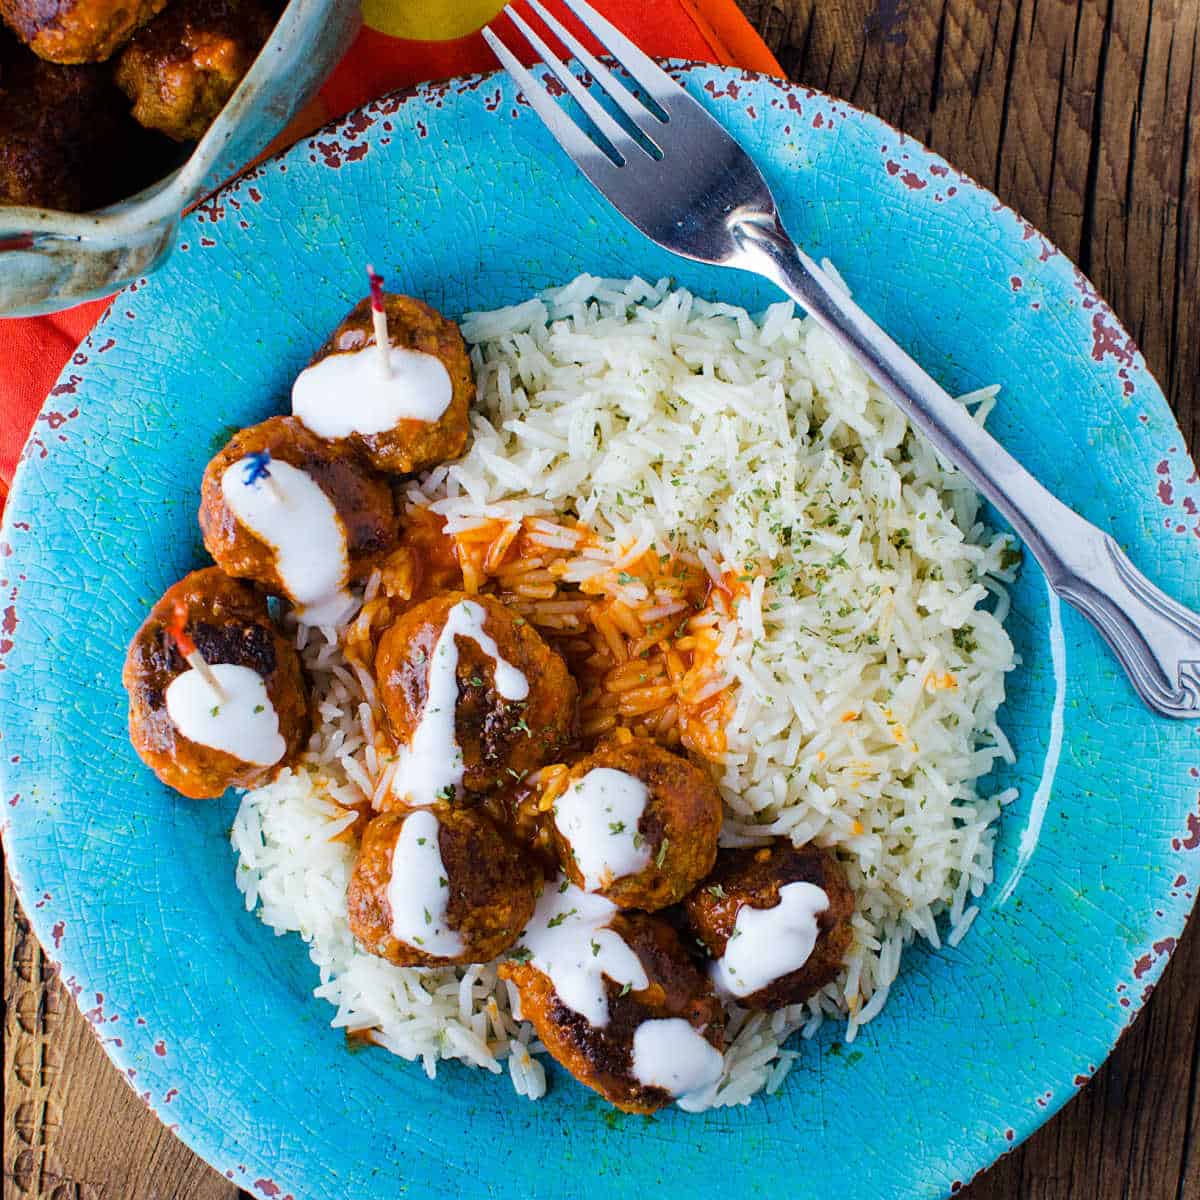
[(301, 516), (66, 138), (181, 68), (473, 694), (414, 418), (617, 1001), (197, 741), (439, 885), (637, 824), (777, 922), (77, 31)]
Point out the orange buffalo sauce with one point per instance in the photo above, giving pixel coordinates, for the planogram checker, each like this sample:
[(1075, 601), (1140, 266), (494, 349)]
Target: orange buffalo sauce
[(641, 637)]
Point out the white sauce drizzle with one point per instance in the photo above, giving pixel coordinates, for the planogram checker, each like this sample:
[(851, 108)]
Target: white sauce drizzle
[(419, 888), (299, 522), (672, 1055), (430, 767), (348, 392), (768, 943), (244, 724), (598, 815), (568, 941)]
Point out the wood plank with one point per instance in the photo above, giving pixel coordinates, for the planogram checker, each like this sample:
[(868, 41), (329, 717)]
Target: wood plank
[(73, 1130)]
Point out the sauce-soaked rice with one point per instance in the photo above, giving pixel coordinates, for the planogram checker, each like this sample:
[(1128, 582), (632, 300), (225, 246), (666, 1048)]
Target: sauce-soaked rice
[(641, 637)]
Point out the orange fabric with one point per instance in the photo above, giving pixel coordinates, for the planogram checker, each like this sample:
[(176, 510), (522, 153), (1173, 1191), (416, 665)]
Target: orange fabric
[(34, 351)]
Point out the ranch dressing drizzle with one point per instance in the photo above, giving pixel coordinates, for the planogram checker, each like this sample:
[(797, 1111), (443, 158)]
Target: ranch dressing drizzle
[(244, 724), (419, 888), (348, 392), (768, 943), (430, 767), (299, 522), (599, 816), (568, 941), (672, 1055)]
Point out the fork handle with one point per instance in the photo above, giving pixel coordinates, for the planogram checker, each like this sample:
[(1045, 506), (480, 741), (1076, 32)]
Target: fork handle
[(1156, 639)]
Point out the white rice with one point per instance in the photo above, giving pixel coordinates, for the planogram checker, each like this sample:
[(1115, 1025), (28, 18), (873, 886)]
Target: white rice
[(867, 675)]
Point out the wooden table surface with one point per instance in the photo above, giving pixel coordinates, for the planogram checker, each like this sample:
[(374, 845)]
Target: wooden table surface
[(1085, 116)]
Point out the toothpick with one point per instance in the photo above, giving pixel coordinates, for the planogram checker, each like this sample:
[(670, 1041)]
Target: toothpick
[(258, 470), (191, 655), (379, 320)]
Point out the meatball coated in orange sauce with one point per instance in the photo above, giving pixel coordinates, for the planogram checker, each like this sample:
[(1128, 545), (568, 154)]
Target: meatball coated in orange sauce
[(229, 623), (409, 445), (601, 1057), (479, 888), (77, 31), (362, 499), (185, 64), (499, 739), (753, 878), (675, 835)]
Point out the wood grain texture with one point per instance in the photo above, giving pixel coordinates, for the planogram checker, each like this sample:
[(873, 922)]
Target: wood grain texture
[(73, 1130), (1085, 116)]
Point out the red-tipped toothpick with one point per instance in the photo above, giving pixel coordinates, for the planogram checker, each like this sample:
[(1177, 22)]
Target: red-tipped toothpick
[(178, 632), (379, 319)]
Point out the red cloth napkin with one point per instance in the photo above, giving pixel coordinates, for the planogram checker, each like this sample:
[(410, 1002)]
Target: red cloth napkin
[(33, 351)]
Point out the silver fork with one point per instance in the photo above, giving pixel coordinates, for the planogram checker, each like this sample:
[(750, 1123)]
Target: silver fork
[(692, 189)]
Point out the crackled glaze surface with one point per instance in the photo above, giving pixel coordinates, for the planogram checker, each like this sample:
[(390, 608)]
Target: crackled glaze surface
[(458, 195)]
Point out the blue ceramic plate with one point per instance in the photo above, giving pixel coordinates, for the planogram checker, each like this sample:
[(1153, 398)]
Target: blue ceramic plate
[(460, 197)]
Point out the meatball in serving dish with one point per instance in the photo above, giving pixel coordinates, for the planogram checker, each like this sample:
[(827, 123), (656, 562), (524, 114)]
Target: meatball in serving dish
[(161, 66), (137, 110), (180, 70), (77, 31), (516, 760), (67, 139)]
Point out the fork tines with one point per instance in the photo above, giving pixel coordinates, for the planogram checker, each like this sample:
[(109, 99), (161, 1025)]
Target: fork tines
[(645, 72)]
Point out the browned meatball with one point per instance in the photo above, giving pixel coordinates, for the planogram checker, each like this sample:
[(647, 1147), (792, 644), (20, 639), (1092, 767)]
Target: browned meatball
[(361, 498), (499, 738), (229, 624), (409, 445), (66, 138), (753, 878), (437, 886), (181, 68), (601, 1056), (637, 824), (77, 31)]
